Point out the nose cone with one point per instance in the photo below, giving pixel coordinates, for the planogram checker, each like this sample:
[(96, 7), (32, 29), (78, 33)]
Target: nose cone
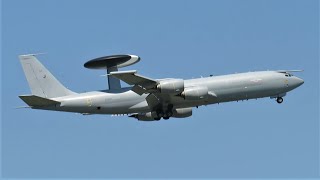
[(297, 82)]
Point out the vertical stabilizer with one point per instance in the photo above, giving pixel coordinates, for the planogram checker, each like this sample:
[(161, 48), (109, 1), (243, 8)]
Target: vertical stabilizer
[(42, 83)]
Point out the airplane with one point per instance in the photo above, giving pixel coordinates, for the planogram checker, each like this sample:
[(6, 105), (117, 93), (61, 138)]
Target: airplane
[(149, 99)]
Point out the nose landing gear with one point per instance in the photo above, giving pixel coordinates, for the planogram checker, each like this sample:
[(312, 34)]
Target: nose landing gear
[(279, 100)]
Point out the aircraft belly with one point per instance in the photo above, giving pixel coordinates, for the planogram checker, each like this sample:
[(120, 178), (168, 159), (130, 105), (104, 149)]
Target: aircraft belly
[(124, 103)]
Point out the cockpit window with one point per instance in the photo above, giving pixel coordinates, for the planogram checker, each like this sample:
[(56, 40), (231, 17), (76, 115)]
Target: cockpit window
[(286, 74)]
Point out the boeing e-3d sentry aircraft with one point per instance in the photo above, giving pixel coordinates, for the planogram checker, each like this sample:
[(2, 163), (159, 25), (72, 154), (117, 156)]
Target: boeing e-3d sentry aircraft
[(150, 99)]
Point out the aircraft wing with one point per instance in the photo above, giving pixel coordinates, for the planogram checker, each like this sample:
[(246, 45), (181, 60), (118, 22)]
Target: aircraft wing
[(156, 99), (287, 71), (141, 84)]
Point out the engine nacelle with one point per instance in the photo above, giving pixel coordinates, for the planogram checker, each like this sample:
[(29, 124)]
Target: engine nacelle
[(149, 116), (195, 93), (171, 86), (182, 112)]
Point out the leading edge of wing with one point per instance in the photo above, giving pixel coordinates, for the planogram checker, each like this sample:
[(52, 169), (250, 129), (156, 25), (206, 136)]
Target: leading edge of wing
[(287, 71)]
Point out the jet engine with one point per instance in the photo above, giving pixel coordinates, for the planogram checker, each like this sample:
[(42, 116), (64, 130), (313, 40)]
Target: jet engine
[(149, 116), (171, 86), (195, 93), (182, 112)]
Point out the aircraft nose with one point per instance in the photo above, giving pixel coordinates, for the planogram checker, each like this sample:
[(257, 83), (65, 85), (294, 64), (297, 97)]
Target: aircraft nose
[(297, 82)]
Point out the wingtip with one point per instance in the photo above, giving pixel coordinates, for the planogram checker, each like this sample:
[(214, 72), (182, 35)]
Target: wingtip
[(286, 71), (28, 55)]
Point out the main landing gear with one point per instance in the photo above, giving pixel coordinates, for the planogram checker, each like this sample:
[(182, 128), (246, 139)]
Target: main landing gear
[(167, 115), (279, 100), (164, 114)]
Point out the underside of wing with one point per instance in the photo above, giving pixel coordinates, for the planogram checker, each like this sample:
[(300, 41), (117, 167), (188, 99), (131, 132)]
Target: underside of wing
[(141, 84), (132, 78), (164, 94)]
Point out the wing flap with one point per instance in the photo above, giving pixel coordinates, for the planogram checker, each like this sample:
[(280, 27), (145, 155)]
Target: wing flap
[(139, 89), (153, 101)]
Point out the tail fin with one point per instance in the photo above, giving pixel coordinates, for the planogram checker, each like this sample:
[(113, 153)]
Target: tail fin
[(41, 82)]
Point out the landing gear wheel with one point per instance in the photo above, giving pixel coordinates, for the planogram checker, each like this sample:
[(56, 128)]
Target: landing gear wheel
[(157, 118), (159, 113), (279, 100), (166, 117), (168, 112)]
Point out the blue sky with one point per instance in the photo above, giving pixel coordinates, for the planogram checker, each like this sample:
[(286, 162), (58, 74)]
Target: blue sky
[(183, 39)]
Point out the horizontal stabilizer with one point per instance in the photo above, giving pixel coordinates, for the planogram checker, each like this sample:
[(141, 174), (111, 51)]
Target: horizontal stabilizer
[(36, 101), (22, 107)]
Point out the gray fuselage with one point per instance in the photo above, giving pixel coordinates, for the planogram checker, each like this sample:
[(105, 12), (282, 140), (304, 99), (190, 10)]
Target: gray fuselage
[(225, 88)]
